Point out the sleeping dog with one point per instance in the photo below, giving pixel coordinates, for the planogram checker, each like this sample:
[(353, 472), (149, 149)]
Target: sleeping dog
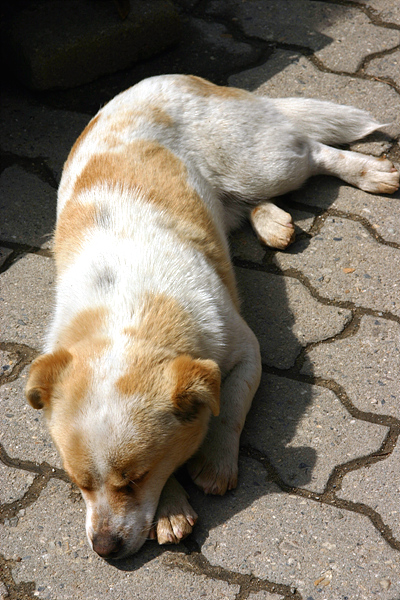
[(148, 363)]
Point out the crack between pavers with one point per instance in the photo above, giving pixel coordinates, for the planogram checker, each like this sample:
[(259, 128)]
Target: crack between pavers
[(22, 356), (35, 166), (371, 13), (358, 73), (195, 562), (309, 54), (338, 390), (44, 473), (19, 251), (16, 591), (328, 496), (320, 219), (273, 269)]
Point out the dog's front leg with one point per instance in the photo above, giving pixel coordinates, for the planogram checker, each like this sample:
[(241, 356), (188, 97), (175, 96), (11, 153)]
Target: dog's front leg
[(174, 517), (214, 468)]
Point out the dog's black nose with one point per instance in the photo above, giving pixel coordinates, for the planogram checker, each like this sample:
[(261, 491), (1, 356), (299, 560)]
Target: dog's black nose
[(107, 545)]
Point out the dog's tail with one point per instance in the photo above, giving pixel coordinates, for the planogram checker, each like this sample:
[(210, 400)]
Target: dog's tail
[(327, 122)]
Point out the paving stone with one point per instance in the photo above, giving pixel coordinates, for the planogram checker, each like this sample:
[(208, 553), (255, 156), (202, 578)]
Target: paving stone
[(264, 596), (386, 66), (4, 254), (23, 432), (26, 296), (219, 41), (14, 483), (288, 73), (64, 44), (321, 551), (284, 315), (305, 431), (33, 130), (329, 258), (30, 217), (378, 486), (387, 10), (341, 36), (245, 245), (365, 364), (329, 192), (55, 555)]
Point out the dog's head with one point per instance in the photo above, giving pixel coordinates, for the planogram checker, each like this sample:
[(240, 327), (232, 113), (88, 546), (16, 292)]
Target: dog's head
[(122, 427)]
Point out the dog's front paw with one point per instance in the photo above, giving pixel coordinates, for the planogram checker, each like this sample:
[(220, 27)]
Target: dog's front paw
[(175, 517), (212, 475), (273, 226)]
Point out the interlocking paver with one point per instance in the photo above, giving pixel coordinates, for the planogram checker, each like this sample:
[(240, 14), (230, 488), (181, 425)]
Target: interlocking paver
[(14, 482), (305, 431), (23, 432), (364, 364), (387, 10), (386, 66), (26, 295), (264, 596), (341, 36), (322, 551), (343, 264), (285, 315), (378, 486), (33, 130), (30, 217), (330, 193), (57, 555), (4, 254)]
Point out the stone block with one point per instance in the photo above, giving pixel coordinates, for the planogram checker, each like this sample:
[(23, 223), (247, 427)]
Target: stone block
[(64, 44), (305, 431), (284, 316)]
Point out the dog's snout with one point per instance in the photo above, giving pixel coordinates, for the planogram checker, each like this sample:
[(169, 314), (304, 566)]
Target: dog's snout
[(107, 545)]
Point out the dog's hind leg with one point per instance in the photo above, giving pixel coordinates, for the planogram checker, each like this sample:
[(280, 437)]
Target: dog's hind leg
[(214, 467), (273, 226), (371, 174)]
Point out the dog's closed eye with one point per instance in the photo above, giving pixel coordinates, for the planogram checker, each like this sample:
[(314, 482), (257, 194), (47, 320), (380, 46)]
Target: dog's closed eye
[(133, 482)]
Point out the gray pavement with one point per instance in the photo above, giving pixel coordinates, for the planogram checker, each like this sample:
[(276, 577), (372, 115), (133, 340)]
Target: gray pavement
[(316, 512)]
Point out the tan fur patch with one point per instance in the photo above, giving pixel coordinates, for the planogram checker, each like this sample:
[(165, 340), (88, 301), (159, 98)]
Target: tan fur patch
[(72, 225), (128, 119), (86, 324), (165, 330), (161, 177), (164, 322), (205, 88)]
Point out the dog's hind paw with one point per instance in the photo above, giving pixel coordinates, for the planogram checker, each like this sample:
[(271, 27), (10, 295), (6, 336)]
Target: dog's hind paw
[(175, 517), (212, 476), (379, 176)]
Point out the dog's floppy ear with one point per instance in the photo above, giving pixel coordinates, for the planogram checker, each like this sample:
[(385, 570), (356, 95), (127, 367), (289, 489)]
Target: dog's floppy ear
[(44, 373), (197, 382)]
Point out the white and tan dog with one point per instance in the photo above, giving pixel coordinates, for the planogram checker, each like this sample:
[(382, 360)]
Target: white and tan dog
[(147, 341)]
